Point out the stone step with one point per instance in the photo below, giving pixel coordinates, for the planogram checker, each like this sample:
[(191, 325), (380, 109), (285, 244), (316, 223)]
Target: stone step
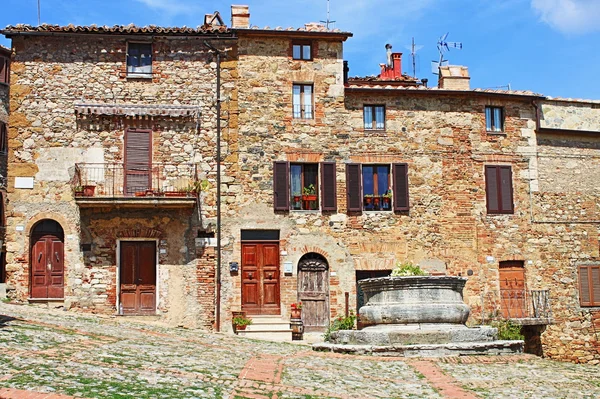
[(268, 328)]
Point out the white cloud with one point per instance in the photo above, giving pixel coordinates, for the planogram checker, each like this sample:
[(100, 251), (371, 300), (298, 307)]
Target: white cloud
[(569, 16)]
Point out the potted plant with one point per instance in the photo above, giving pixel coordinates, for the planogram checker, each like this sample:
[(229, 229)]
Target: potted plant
[(387, 199), (296, 312), (368, 199), (309, 193), (240, 322), (88, 190), (78, 190)]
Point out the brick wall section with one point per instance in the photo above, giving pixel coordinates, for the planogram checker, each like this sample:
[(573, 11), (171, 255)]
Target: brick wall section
[(205, 274)]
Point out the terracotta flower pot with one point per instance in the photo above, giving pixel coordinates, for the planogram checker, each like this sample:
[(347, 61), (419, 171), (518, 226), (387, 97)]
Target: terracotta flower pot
[(296, 314)]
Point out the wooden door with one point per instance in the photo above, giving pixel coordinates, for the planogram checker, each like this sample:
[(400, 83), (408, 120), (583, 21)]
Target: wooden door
[(138, 277), (313, 291), (138, 161), (47, 267), (260, 278), (512, 290)]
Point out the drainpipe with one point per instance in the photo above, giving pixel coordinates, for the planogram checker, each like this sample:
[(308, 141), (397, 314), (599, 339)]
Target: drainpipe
[(218, 271)]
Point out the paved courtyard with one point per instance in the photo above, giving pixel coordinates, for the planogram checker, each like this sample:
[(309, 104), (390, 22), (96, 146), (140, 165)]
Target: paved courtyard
[(54, 354)]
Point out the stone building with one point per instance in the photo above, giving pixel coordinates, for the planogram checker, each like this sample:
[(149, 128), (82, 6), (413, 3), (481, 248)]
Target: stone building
[(325, 180)]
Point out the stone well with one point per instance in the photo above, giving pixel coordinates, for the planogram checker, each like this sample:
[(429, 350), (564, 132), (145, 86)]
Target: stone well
[(417, 316)]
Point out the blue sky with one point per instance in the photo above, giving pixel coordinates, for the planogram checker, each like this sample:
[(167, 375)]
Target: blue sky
[(547, 46)]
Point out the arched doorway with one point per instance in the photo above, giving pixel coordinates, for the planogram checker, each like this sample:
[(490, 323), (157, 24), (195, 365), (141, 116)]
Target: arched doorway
[(47, 260), (313, 291)]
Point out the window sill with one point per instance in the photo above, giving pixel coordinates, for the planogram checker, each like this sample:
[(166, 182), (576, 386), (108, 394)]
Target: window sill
[(495, 133), (499, 214), (140, 76), (374, 130), (302, 59), (305, 211)]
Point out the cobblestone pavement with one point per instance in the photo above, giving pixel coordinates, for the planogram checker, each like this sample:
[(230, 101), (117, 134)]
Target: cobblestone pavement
[(51, 354)]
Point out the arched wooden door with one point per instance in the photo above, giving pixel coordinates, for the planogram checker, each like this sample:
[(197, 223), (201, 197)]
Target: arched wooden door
[(512, 289), (313, 291), (47, 261)]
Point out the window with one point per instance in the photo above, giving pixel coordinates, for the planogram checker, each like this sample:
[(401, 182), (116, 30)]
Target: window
[(302, 101), (297, 186), (589, 285), (4, 69), (374, 117), (3, 139), (498, 189), (370, 188), (139, 60), (494, 119), (302, 51)]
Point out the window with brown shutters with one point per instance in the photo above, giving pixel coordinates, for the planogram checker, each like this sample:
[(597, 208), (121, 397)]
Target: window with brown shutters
[(281, 184), (4, 69), (353, 187), (498, 189), (328, 187), (304, 186), (400, 174), (589, 285), (138, 160)]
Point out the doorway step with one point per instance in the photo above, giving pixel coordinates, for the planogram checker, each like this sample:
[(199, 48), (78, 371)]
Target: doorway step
[(268, 328)]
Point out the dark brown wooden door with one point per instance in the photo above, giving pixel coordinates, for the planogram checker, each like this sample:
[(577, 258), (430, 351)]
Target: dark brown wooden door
[(512, 290), (138, 161), (313, 291), (138, 277), (260, 278), (47, 267)]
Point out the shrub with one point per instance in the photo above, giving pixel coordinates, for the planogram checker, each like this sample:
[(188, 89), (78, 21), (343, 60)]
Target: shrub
[(408, 269), (507, 330), (241, 321), (340, 323)]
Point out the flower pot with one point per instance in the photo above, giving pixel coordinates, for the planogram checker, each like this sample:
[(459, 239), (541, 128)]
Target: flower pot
[(88, 191), (368, 200), (240, 328), (296, 314)]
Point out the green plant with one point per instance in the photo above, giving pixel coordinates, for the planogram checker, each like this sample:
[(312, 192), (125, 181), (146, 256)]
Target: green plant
[(368, 195), (406, 268), (241, 321), (388, 194), (309, 190), (78, 189), (340, 323), (507, 330)]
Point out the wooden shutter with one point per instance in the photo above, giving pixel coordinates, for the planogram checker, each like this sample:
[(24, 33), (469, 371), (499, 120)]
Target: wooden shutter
[(400, 174), (281, 186), (138, 160), (353, 187), (328, 187), (491, 189), (506, 195)]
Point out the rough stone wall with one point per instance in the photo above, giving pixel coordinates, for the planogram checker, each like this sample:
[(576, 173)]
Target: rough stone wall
[(47, 138), (570, 115)]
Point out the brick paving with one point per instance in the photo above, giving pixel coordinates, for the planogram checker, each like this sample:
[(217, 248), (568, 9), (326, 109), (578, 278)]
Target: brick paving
[(52, 354)]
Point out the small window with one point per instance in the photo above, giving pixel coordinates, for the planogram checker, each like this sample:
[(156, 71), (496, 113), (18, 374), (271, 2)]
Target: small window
[(376, 188), (374, 117), (302, 101), (302, 51), (370, 187), (4, 69), (498, 189), (589, 285), (494, 119), (304, 187), (139, 60)]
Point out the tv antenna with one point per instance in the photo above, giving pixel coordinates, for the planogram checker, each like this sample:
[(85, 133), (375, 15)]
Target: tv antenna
[(329, 21), (39, 8), (443, 46), (413, 53)]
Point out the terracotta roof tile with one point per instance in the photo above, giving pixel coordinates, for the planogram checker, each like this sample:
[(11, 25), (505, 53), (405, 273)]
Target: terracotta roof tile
[(116, 29), (378, 85)]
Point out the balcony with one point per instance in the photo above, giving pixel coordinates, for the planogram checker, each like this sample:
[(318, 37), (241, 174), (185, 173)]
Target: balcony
[(524, 307), (139, 186)]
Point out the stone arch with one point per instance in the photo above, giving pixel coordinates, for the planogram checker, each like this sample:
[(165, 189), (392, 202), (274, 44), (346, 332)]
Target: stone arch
[(46, 260), (67, 228), (313, 290)]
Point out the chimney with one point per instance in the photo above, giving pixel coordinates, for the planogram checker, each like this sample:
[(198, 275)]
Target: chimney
[(240, 17), (454, 77), (393, 68)]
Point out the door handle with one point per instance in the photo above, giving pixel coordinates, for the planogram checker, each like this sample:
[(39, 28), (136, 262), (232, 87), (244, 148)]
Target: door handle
[(250, 276), (56, 254), (40, 257), (270, 276)]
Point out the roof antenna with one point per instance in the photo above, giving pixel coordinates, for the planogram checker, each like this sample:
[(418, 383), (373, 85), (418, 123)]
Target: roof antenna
[(329, 21), (413, 53), (443, 46), (38, 13)]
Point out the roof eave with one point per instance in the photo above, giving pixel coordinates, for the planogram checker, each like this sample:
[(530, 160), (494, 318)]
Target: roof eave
[(293, 33)]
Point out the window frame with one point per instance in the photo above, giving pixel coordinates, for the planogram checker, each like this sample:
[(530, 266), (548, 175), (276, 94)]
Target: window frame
[(133, 73), (593, 301), (325, 187), (4, 69), (500, 190), (302, 104), (492, 119), (303, 184), (301, 44), (397, 186), (373, 108)]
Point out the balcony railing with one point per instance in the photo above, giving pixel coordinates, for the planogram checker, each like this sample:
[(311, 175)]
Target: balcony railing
[(116, 180), (520, 306)]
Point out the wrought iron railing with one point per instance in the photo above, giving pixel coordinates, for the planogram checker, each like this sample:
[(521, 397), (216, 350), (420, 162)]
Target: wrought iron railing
[(119, 180), (517, 304)]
